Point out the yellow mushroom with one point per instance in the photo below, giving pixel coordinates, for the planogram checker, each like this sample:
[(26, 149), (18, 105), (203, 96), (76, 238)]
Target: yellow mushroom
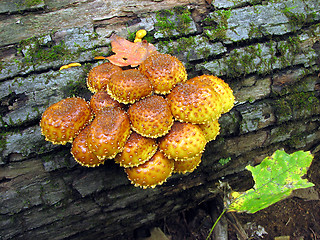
[(139, 35)]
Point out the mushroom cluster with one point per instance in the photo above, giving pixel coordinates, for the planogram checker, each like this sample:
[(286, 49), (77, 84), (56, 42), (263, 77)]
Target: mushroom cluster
[(150, 119)]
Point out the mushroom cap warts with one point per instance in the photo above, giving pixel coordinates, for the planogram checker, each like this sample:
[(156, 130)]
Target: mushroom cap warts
[(100, 100)]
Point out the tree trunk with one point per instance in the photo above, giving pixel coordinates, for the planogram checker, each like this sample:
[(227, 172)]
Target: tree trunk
[(267, 52)]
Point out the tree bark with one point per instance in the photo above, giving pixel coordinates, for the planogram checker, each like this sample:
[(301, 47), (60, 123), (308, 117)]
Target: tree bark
[(268, 54)]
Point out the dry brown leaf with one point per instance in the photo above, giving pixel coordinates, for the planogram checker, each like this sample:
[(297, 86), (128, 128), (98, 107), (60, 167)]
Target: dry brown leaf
[(129, 53)]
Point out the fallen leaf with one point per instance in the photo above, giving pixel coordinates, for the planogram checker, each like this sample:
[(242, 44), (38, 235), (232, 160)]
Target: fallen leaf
[(129, 53), (275, 179)]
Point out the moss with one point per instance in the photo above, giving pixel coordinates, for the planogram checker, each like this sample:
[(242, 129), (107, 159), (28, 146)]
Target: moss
[(296, 140), (297, 105), (283, 111), (3, 142), (35, 51), (163, 21), (177, 47), (288, 50), (78, 88), (224, 161), (297, 20), (171, 22), (217, 25), (255, 31), (30, 3)]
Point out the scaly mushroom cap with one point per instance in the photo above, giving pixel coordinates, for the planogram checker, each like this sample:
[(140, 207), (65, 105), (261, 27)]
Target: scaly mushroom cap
[(164, 71), (80, 151), (100, 100), (210, 130), (188, 165), (129, 86), (151, 173), (194, 102), (221, 87), (99, 76), (151, 117), (136, 151), (109, 132), (62, 121), (184, 140)]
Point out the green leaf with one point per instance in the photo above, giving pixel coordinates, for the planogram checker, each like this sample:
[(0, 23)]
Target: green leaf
[(275, 179)]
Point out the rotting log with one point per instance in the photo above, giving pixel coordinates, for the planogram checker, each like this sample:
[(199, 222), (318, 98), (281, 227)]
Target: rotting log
[(267, 52)]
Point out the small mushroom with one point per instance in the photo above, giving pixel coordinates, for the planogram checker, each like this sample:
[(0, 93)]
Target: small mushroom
[(211, 130), (187, 165)]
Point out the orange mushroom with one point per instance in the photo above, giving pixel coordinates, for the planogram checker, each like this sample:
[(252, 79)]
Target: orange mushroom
[(129, 86), (62, 121), (151, 117), (164, 71), (152, 173), (99, 76), (109, 132)]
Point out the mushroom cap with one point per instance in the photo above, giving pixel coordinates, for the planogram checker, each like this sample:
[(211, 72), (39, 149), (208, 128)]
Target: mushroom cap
[(211, 130), (136, 151), (109, 132), (129, 86), (100, 100), (195, 102), (164, 71), (222, 88), (188, 165), (184, 140), (151, 117), (80, 151), (151, 173), (99, 76), (62, 121)]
